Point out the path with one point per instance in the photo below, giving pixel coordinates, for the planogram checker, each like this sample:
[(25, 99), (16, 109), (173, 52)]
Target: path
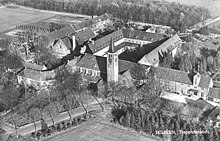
[(29, 128)]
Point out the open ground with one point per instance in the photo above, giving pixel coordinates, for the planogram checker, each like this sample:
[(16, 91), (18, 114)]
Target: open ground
[(12, 16), (101, 131)]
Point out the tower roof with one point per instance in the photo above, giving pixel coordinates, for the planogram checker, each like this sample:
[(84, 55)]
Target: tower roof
[(111, 46)]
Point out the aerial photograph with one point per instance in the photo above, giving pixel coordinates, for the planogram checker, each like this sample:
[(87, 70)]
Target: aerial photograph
[(109, 70)]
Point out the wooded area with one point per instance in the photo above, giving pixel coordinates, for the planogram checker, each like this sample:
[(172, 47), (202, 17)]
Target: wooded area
[(163, 13)]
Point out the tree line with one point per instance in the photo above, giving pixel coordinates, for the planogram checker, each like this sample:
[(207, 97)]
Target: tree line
[(208, 61), (175, 15), (156, 123)]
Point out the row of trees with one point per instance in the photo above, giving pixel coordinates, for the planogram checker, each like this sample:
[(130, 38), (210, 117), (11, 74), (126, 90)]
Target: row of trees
[(173, 14), (29, 105), (188, 62), (167, 127)]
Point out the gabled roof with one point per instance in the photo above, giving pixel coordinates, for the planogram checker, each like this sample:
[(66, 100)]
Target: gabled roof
[(32, 74), (181, 76), (174, 75), (37, 75), (67, 42), (204, 81), (105, 41), (84, 35), (214, 93), (99, 63), (153, 57), (142, 35), (33, 66), (124, 33), (61, 33)]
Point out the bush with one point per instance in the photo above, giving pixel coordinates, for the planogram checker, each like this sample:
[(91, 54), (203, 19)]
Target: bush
[(68, 124), (74, 123), (33, 135), (58, 127), (53, 128), (39, 134), (63, 125), (49, 131), (79, 120)]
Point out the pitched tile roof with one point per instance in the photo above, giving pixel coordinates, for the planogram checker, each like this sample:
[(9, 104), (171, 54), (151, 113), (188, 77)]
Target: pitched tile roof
[(33, 66), (214, 93), (99, 63), (174, 75), (142, 35), (67, 42), (153, 57), (61, 33), (37, 75), (84, 35), (105, 41), (32, 74), (204, 81), (124, 33)]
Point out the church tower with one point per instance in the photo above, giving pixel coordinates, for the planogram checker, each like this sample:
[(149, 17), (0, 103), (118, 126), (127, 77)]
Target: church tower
[(112, 63)]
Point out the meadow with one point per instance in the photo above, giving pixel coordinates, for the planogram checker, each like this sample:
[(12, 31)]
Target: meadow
[(12, 16)]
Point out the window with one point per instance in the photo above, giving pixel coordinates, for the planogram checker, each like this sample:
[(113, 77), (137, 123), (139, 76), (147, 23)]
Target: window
[(94, 73), (89, 72), (210, 98), (202, 94), (98, 73)]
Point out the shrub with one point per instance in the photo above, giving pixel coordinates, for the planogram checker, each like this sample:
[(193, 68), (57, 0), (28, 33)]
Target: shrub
[(63, 125), (39, 134), (33, 135), (53, 128), (58, 127), (49, 131), (68, 124), (74, 123)]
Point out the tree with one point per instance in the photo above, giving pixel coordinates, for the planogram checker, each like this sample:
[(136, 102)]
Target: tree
[(71, 83), (151, 90), (34, 114), (93, 90), (42, 53), (204, 64), (193, 61), (51, 110), (138, 72), (201, 68), (210, 61), (181, 64)]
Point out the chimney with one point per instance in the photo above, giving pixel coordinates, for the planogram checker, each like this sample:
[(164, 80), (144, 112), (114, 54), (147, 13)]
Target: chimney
[(74, 42), (93, 42), (196, 79)]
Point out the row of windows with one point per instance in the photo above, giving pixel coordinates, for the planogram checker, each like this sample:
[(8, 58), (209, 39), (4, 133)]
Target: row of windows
[(89, 72), (136, 41)]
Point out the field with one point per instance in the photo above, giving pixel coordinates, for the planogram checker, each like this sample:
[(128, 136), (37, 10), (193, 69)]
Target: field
[(12, 16), (97, 131)]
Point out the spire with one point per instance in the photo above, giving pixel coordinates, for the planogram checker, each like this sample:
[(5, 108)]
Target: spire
[(111, 46)]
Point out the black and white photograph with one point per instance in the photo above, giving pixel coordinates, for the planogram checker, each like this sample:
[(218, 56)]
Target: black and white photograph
[(109, 70)]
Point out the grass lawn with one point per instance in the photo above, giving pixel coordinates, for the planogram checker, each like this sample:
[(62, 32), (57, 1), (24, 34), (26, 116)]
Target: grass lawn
[(12, 16), (101, 131)]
